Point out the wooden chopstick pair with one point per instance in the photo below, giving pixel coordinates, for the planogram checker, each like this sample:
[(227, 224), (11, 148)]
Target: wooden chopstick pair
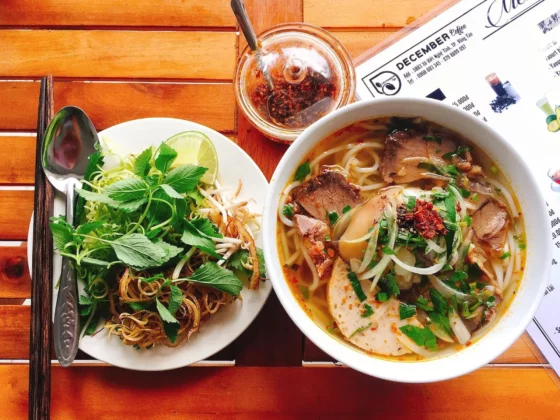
[(42, 271)]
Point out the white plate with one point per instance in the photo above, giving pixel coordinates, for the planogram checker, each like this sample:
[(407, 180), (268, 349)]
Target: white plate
[(230, 321)]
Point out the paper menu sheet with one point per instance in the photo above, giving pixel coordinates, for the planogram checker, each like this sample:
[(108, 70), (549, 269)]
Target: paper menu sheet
[(499, 60)]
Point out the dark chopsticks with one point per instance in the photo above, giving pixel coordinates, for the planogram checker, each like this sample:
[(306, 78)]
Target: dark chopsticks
[(41, 284)]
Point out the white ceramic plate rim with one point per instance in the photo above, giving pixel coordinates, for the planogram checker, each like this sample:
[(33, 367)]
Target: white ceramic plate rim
[(519, 314), (220, 330)]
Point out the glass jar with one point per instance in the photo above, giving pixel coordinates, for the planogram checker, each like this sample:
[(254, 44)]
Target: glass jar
[(308, 75)]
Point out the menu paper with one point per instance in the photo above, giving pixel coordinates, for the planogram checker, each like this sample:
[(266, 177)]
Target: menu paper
[(499, 60)]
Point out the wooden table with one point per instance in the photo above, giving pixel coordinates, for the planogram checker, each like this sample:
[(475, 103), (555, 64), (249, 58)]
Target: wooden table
[(122, 60)]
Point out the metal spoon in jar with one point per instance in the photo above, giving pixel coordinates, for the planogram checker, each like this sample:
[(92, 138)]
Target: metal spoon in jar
[(245, 24), (69, 141)]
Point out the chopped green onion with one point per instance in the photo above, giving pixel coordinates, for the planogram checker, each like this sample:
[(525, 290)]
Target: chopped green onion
[(474, 197), (288, 211), (356, 286), (460, 150), (328, 238), (505, 255), (382, 297), (333, 217), (468, 220), (346, 209), (411, 203), (494, 169), (465, 312)]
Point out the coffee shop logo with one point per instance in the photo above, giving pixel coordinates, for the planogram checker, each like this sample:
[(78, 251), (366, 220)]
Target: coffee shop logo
[(501, 12), (386, 83)]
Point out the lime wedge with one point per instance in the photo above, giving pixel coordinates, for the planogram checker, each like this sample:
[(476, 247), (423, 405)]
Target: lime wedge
[(195, 148)]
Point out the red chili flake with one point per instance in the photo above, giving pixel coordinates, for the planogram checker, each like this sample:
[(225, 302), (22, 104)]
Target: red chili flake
[(425, 220), (294, 280), (458, 207)]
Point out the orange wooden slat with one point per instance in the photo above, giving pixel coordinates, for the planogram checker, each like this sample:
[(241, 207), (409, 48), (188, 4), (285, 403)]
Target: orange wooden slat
[(15, 213), (358, 42), (273, 339), (18, 159), (256, 393), (365, 14), (15, 281), (14, 331), (19, 105), (118, 54), (116, 13), (109, 103)]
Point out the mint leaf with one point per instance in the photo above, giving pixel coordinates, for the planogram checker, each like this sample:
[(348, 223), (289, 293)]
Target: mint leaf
[(128, 206), (142, 162), (170, 191), (176, 299), (302, 171), (262, 265), (170, 251), (185, 178), (237, 260), (89, 227), (164, 313), (207, 228), (196, 196), (139, 306), (171, 330), (62, 233), (166, 156), (127, 189), (85, 300), (137, 251), (192, 236), (212, 275), (94, 261)]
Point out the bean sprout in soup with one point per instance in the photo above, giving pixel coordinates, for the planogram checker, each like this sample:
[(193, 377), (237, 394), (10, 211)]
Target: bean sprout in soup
[(399, 237)]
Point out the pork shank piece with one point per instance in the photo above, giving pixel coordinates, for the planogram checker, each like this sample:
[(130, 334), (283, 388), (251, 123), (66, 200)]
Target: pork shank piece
[(314, 233), (405, 149), (327, 192), (490, 224)]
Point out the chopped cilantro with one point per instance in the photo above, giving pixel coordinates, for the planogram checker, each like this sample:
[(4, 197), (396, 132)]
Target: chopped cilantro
[(411, 203), (388, 251), (435, 138), (406, 311), (421, 336), (460, 150), (423, 303), (439, 301), (359, 330), (368, 311)]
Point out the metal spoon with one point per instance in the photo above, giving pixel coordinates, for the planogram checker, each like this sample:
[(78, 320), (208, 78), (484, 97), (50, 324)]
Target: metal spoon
[(69, 141), (245, 24)]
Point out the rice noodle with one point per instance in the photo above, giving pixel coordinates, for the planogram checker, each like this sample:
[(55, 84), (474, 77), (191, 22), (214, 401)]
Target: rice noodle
[(511, 261), (461, 332), (354, 151), (313, 269), (499, 271), (314, 163), (374, 186)]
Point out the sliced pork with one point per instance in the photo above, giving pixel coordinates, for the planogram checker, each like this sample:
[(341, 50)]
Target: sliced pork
[(405, 149), (490, 224), (326, 193)]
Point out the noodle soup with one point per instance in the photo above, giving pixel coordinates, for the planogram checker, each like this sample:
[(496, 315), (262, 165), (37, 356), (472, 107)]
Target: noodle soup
[(400, 238)]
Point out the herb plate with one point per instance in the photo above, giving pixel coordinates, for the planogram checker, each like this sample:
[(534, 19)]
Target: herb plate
[(225, 326)]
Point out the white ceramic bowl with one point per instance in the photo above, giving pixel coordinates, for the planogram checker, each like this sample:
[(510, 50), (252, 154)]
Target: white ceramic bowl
[(516, 318)]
